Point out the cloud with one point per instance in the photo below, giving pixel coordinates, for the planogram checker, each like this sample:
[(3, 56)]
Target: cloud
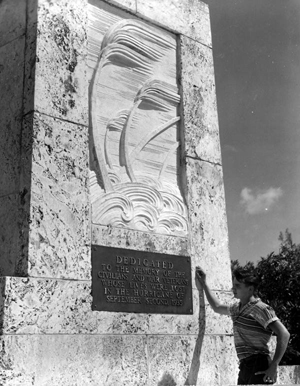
[(261, 201)]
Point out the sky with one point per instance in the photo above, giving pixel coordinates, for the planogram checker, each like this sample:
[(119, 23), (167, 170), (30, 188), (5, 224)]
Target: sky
[(256, 48)]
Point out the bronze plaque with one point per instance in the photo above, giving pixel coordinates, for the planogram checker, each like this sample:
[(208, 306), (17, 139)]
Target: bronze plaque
[(124, 280)]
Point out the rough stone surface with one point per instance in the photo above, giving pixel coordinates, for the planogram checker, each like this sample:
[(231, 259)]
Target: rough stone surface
[(203, 320), (208, 223), (12, 20), (55, 72), (11, 84), (130, 239), (216, 323), (288, 375), (59, 228), (43, 360), (201, 130), (188, 17)]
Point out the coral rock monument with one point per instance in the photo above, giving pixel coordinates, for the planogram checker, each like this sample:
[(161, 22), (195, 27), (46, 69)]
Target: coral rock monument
[(111, 194)]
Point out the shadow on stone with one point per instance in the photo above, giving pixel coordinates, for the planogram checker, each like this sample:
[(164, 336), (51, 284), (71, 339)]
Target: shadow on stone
[(195, 365), (13, 81), (2, 297), (24, 220), (17, 67), (181, 154), (167, 380)]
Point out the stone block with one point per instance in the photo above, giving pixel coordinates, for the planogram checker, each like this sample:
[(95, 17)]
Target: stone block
[(55, 172), (9, 233), (194, 359), (191, 360), (188, 17), (50, 306), (11, 83), (144, 241), (73, 360), (40, 306), (12, 20), (208, 223), (55, 72), (201, 130)]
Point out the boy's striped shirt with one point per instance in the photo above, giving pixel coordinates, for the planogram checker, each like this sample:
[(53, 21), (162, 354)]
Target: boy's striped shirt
[(250, 326)]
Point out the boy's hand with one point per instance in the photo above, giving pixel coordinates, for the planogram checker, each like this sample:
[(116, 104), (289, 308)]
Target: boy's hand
[(201, 275), (270, 374)]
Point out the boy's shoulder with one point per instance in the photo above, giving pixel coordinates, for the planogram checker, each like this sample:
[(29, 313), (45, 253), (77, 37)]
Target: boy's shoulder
[(263, 313), (256, 306), (260, 305)]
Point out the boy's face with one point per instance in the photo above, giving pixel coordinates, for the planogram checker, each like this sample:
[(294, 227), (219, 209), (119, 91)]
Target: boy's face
[(241, 290)]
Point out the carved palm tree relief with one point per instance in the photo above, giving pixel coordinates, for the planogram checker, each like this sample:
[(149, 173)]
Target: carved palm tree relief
[(134, 131)]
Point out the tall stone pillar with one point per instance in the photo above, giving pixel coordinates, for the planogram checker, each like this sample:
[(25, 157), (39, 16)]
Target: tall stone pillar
[(96, 96)]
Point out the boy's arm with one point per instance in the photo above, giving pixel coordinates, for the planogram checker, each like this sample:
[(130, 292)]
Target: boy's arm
[(212, 299), (283, 337)]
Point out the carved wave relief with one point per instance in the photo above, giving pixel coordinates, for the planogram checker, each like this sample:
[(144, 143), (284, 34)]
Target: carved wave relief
[(134, 128)]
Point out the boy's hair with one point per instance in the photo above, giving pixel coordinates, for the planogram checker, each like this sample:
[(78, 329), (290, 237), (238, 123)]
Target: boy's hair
[(248, 276)]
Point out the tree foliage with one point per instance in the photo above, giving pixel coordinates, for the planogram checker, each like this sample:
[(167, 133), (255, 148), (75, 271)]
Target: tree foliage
[(280, 288)]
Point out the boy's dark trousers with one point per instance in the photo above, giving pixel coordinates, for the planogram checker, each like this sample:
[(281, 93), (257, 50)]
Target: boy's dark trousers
[(251, 365)]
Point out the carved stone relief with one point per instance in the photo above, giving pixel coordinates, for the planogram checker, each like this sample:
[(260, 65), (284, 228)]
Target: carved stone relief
[(134, 123)]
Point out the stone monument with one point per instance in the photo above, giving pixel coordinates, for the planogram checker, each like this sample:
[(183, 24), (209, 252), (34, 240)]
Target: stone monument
[(111, 194)]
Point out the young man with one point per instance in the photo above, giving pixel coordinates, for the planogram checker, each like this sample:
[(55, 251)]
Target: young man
[(253, 324)]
